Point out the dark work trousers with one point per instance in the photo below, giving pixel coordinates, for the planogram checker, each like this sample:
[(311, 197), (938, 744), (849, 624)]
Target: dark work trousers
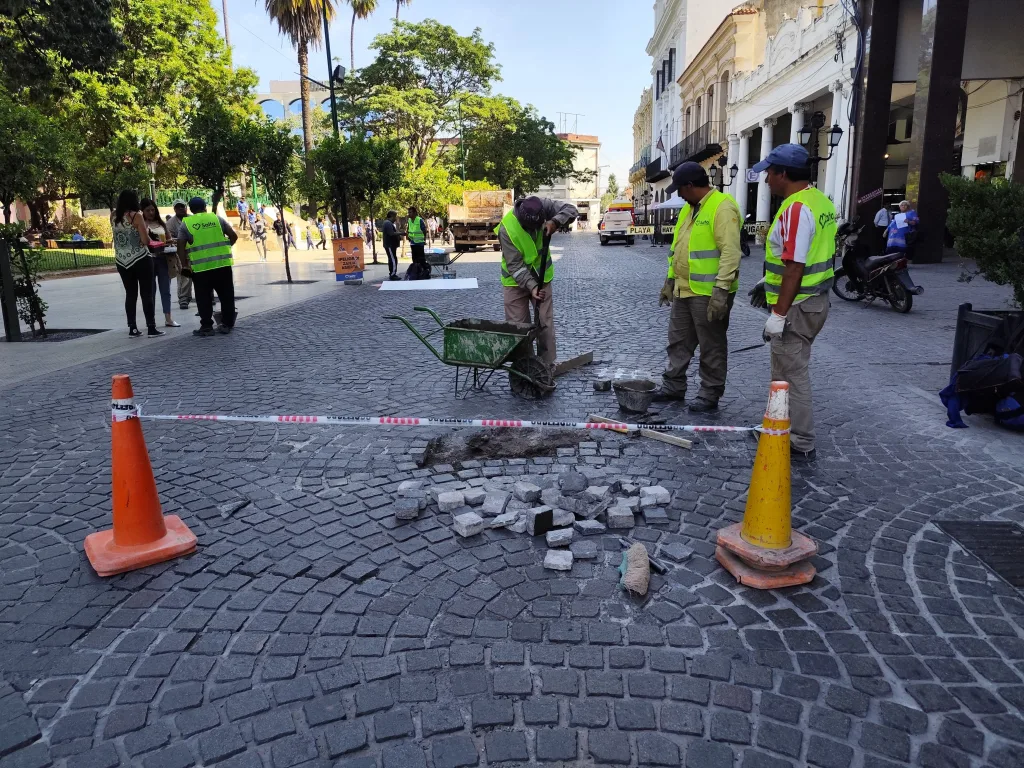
[(217, 280), (392, 252), (138, 279), (418, 256)]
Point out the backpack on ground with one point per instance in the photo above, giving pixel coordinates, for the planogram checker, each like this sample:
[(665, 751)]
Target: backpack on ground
[(417, 271)]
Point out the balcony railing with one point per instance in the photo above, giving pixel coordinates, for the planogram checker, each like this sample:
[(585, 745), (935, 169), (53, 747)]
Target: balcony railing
[(703, 143), (676, 156), (655, 172), (645, 158)]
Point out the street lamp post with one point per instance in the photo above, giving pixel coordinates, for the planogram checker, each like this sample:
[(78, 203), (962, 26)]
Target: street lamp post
[(152, 180), (645, 198), (809, 140), (332, 73), (717, 172)]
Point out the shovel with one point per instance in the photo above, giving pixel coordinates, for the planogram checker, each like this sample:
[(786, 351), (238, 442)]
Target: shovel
[(544, 251)]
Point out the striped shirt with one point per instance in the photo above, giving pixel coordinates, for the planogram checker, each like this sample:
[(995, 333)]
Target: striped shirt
[(791, 239)]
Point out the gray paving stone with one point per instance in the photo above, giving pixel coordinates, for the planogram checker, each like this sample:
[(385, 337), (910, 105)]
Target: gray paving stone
[(454, 752), (556, 744), (610, 747), (505, 747)]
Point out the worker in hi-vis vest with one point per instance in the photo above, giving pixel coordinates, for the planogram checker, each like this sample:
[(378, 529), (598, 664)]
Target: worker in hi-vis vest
[(417, 234), (703, 270), (798, 276), (204, 247), (521, 234)]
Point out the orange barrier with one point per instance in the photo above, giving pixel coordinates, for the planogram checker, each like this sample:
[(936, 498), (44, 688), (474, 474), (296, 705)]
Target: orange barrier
[(764, 551), (141, 535)]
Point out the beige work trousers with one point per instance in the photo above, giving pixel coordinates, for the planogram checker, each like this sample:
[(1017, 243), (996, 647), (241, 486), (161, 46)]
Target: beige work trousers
[(791, 357), (689, 328), (517, 310)]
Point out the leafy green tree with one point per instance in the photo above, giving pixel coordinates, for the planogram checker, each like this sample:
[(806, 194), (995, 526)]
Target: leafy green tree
[(611, 194), (215, 147), (301, 21), (361, 9), (513, 146), (25, 136), (412, 89), (275, 161)]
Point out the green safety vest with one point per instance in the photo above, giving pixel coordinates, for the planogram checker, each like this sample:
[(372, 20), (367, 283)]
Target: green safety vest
[(528, 245), (703, 255), (818, 275), (416, 236), (209, 248)]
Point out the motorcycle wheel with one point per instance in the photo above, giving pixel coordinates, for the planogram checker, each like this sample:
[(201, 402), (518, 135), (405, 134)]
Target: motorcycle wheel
[(845, 288), (745, 249), (899, 299)]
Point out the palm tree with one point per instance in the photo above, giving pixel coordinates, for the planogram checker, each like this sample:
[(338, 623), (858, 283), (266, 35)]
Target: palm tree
[(301, 21), (398, 6), (361, 9)]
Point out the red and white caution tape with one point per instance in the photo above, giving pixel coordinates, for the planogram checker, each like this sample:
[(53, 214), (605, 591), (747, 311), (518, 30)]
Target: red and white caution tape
[(418, 421)]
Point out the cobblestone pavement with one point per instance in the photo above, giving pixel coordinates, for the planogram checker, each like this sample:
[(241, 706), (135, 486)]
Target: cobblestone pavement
[(312, 628)]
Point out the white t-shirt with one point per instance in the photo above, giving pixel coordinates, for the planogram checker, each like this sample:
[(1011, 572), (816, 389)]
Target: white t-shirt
[(882, 218), (791, 238)]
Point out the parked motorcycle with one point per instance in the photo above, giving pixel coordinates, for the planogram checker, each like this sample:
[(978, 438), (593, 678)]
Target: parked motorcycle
[(863, 276), (745, 237)]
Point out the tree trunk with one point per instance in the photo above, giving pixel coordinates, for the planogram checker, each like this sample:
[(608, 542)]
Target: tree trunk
[(352, 42), (287, 234), (215, 197), (398, 7), (307, 117), (373, 229), (7, 213)]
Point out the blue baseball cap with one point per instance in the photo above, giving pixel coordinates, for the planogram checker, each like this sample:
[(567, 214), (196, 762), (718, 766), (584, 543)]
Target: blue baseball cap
[(786, 155), (197, 204)]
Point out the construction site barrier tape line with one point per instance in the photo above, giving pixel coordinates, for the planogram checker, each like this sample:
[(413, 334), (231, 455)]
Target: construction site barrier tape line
[(416, 421)]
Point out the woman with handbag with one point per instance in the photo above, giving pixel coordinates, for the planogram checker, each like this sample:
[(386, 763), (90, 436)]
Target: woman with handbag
[(164, 260), (134, 265)]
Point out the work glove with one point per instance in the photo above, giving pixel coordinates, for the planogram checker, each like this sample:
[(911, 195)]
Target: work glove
[(757, 297), (668, 292), (718, 306), (774, 327)]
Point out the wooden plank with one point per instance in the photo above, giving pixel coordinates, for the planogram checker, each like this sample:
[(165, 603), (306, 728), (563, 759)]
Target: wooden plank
[(664, 437), (572, 364), (603, 420)]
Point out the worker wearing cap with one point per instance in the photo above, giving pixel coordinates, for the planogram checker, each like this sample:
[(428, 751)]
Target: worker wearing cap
[(703, 275), (204, 246), (798, 276), (174, 225), (521, 235)]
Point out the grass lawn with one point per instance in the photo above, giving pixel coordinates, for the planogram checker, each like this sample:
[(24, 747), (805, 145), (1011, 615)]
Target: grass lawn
[(58, 259)]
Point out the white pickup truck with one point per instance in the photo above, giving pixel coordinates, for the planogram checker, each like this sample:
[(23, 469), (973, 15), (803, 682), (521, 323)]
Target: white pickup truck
[(616, 223)]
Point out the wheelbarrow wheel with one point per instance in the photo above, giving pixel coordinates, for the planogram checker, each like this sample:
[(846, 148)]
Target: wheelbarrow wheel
[(535, 378)]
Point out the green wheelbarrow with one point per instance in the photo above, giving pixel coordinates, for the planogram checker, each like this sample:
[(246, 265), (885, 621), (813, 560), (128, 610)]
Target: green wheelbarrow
[(487, 345)]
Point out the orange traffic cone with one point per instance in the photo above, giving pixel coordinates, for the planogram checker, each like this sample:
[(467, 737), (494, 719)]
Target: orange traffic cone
[(764, 551), (141, 535)]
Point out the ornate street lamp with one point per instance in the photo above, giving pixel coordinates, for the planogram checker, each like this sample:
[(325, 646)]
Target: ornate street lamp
[(809, 140)]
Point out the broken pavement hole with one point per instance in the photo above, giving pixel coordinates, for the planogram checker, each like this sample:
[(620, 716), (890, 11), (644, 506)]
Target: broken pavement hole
[(502, 444)]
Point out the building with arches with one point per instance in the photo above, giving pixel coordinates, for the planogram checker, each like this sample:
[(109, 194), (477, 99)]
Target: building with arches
[(283, 101)]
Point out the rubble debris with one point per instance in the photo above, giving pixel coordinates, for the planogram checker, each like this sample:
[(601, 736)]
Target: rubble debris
[(558, 560), (468, 524)]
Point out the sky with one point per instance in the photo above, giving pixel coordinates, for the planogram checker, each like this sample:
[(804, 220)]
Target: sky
[(584, 57)]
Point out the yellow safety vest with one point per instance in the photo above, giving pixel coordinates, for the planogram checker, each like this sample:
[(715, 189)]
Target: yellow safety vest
[(416, 236), (528, 245), (209, 248), (818, 275), (703, 255)]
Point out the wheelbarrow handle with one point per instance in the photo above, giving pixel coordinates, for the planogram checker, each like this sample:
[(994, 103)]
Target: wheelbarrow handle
[(418, 335), (430, 312)]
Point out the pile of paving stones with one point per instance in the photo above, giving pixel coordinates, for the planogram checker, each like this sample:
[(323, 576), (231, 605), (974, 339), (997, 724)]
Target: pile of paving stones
[(556, 508)]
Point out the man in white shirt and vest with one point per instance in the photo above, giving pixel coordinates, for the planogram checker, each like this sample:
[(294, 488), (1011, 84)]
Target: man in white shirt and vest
[(204, 247), (798, 276), (521, 235), (703, 275)]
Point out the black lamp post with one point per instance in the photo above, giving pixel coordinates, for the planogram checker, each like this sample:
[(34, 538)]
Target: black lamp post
[(717, 172), (335, 73), (809, 140), (645, 198)]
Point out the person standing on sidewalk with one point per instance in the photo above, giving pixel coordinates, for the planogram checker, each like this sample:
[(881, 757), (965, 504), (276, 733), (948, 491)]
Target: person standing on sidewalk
[(417, 234), (703, 275), (259, 236), (174, 225), (521, 235), (323, 234), (132, 258), (391, 240), (798, 276), (882, 220), (243, 210), (162, 258), (205, 245)]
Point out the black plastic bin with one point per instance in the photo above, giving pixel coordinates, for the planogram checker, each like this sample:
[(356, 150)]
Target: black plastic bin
[(976, 330)]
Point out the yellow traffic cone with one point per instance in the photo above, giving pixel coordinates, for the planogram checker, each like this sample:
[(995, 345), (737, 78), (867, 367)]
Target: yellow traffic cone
[(764, 551)]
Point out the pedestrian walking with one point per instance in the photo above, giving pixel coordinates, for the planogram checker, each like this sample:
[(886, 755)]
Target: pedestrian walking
[(174, 225), (391, 240), (323, 234), (798, 276), (132, 258), (416, 232), (521, 235), (251, 220), (368, 231), (279, 234), (882, 221), (703, 275), (259, 236), (205, 245), (431, 229), (358, 231), (902, 230), (309, 239), (162, 259), (243, 211)]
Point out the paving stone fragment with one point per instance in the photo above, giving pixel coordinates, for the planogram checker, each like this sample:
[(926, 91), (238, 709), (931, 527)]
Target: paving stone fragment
[(526, 492), (494, 504), (474, 497), (539, 520), (504, 520), (449, 501), (654, 496), (560, 518), (558, 560), (559, 538), (620, 517), (468, 524)]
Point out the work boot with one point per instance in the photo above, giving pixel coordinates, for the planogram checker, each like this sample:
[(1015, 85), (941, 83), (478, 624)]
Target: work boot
[(225, 329), (703, 405), (669, 397), (802, 457), (204, 332)]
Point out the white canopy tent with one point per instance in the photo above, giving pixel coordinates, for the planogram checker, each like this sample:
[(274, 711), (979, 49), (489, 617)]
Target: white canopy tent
[(672, 204)]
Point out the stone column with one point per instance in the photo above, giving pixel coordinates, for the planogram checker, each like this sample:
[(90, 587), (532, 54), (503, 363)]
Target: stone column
[(874, 97), (743, 161), (734, 147), (764, 195), (798, 111), (833, 169), (940, 61)]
